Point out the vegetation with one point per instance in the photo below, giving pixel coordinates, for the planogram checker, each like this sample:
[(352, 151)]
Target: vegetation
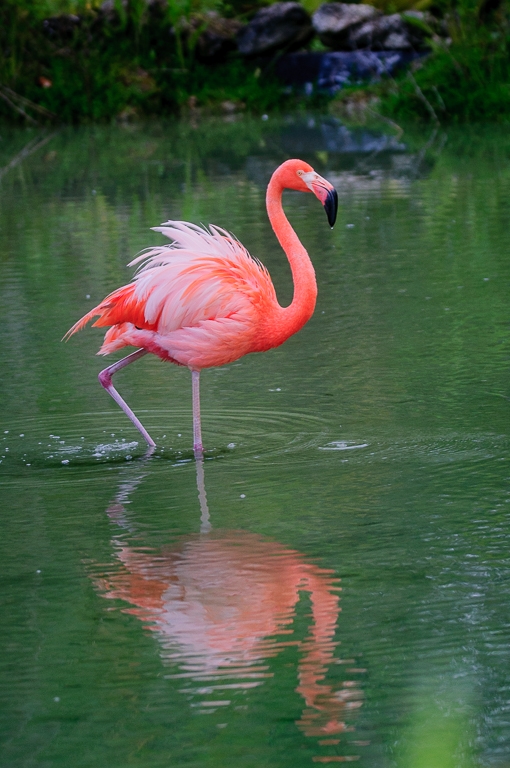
[(465, 79), (98, 67), (140, 58)]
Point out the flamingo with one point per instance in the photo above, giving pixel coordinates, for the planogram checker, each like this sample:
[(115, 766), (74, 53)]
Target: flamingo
[(203, 301)]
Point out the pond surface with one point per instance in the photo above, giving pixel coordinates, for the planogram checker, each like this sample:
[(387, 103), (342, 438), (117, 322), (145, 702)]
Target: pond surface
[(332, 583)]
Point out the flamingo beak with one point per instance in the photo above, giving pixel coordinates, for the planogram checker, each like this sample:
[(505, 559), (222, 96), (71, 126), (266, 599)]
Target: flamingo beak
[(325, 192), (331, 206)]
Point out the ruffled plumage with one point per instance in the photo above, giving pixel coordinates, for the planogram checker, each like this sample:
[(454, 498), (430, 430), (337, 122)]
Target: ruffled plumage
[(197, 302)]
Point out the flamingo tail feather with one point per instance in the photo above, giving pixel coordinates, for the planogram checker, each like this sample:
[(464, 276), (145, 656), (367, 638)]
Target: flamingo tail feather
[(82, 323), (119, 307)]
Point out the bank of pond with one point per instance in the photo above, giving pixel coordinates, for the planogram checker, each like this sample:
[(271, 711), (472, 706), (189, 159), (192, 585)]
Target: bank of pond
[(124, 60)]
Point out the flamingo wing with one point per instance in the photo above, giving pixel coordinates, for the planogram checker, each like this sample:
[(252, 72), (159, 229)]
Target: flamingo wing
[(203, 275), (203, 291)]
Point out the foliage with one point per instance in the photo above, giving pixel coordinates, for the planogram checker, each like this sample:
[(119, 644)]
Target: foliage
[(142, 59), (398, 6), (136, 60), (468, 80)]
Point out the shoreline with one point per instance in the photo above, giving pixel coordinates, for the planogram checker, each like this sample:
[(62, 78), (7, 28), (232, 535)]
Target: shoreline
[(104, 65)]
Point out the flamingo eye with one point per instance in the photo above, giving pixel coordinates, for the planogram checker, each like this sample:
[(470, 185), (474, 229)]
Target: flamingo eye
[(300, 173)]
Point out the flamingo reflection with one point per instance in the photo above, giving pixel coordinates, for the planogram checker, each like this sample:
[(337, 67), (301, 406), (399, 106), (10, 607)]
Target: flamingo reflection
[(222, 603)]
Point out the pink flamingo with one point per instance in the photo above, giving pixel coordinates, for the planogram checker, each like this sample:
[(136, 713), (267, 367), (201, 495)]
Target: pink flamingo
[(204, 301)]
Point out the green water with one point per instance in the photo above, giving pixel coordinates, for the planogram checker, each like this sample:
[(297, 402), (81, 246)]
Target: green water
[(336, 586)]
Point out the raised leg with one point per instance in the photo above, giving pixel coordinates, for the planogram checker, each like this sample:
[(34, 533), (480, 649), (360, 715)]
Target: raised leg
[(198, 448), (105, 379)]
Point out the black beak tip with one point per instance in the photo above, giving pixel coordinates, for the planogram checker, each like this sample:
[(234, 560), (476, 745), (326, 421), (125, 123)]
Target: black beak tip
[(331, 207)]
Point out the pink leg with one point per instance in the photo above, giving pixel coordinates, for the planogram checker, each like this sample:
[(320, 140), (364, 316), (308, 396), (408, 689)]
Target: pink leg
[(105, 379), (198, 448)]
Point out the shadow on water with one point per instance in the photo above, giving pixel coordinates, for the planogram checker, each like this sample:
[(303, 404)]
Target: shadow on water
[(222, 604)]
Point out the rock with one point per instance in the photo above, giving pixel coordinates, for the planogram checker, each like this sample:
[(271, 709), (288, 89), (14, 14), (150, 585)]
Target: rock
[(218, 38), (373, 33), (139, 80), (334, 21), (281, 25), (387, 33), (330, 72), (299, 69), (208, 35), (127, 115), (397, 41), (62, 26), (109, 6), (348, 27), (108, 9), (423, 19), (341, 69), (232, 107), (424, 23)]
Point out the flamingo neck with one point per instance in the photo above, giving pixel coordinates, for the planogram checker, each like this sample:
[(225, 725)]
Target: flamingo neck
[(292, 318)]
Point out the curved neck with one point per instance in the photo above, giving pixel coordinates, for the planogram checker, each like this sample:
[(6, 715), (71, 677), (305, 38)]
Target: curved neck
[(293, 317)]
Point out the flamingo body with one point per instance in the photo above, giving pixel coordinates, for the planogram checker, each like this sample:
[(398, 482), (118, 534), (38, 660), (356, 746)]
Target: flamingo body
[(200, 302), (203, 301)]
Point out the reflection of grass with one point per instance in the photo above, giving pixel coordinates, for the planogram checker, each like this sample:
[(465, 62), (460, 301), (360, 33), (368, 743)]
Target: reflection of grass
[(438, 735), (436, 743)]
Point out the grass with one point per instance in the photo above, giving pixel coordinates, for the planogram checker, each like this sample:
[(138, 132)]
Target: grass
[(135, 64), (468, 80)]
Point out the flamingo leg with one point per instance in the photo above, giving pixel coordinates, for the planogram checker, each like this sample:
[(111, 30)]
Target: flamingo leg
[(198, 448), (105, 379)]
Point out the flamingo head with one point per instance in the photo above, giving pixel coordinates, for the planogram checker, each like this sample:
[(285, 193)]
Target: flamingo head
[(298, 175)]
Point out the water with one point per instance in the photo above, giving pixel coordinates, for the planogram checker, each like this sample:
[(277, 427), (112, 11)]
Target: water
[(331, 584)]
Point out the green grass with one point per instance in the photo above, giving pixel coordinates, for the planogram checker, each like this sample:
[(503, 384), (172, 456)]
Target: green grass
[(460, 86), (134, 65), (468, 80)]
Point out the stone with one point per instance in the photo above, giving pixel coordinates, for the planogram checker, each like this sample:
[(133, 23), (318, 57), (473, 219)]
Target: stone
[(388, 33), (423, 23), (218, 38), (343, 69), (208, 35), (397, 41), (139, 80), (232, 107), (108, 9), (423, 19), (279, 26), (333, 22), (332, 71), (397, 32), (62, 26)]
